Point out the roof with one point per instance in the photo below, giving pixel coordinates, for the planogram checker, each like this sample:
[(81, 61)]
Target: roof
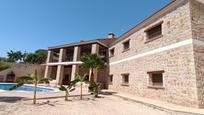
[(101, 41), (149, 20)]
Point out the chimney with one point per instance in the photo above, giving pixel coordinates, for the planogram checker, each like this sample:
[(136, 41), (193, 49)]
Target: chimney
[(111, 35)]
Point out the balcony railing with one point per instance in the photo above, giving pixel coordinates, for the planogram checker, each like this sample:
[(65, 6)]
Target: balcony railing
[(68, 59)]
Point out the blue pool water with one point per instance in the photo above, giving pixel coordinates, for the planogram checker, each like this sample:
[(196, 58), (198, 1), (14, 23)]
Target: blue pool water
[(24, 88)]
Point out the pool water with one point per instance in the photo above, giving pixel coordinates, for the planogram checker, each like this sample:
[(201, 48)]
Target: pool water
[(7, 86)]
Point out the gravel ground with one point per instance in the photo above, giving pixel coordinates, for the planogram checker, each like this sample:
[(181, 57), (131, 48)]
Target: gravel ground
[(20, 103), (106, 105)]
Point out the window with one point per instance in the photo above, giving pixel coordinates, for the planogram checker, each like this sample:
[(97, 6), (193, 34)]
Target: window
[(156, 79), (154, 32), (125, 79), (112, 52), (126, 45), (111, 79)]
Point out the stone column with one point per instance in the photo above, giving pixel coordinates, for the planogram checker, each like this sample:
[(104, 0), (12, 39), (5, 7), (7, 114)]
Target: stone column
[(49, 54), (60, 74), (76, 56), (62, 55), (47, 69), (94, 50), (60, 68)]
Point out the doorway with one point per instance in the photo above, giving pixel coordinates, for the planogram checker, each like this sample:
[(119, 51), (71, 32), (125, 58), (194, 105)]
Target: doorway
[(66, 79)]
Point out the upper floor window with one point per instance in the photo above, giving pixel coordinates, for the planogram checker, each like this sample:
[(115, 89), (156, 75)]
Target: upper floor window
[(112, 52), (126, 45), (154, 32)]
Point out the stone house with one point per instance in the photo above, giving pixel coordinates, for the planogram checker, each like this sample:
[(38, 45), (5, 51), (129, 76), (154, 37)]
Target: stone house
[(160, 58), (64, 61)]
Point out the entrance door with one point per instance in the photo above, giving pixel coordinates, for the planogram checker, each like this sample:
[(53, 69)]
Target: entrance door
[(66, 79)]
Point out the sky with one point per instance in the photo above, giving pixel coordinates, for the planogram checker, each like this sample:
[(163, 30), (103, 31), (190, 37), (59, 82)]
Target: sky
[(28, 25)]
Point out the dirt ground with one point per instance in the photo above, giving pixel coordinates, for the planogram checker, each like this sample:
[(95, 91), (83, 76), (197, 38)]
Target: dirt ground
[(20, 103)]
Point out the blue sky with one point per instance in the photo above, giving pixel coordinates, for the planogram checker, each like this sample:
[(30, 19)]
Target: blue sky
[(28, 25)]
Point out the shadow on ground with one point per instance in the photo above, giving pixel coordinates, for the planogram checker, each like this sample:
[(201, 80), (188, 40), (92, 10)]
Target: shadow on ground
[(55, 97), (108, 92), (12, 99)]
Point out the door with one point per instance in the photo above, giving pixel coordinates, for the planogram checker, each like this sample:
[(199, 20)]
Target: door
[(66, 79)]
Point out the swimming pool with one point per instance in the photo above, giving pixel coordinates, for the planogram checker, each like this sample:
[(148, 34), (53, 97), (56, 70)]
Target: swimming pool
[(7, 86)]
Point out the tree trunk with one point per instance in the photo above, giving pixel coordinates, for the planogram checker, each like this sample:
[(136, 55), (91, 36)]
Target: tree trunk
[(81, 91), (34, 98), (96, 95), (66, 96), (92, 75)]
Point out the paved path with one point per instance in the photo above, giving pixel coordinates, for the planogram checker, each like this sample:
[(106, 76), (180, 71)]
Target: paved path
[(165, 106)]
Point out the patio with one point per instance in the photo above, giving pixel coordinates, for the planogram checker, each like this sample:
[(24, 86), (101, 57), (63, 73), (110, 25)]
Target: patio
[(54, 104)]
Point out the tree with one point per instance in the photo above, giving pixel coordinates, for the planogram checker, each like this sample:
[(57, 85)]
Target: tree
[(95, 88), (81, 80), (3, 65), (15, 57), (69, 88), (41, 56), (32, 78), (3, 59), (38, 57), (31, 58), (92, 61)]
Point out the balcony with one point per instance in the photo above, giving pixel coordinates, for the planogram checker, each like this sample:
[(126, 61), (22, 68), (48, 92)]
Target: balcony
[(68, 54)]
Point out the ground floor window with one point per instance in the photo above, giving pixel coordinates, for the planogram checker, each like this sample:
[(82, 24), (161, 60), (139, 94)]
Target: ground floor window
[(125, 79), (156, 78)]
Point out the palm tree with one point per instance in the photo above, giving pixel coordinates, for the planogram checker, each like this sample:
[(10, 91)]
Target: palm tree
[(69, 88), (3, 65), (81, 79), (15, 57), (32, 78), (95, 88), (92, 61)]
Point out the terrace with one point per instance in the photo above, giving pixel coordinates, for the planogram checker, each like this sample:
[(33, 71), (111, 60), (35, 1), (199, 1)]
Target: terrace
[(64, 61)]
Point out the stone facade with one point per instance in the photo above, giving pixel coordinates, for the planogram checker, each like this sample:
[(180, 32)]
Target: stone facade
[(197, 19), (178, 53), (182, 62)]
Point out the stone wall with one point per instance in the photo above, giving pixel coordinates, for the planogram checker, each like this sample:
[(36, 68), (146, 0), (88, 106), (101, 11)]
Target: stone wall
[(179, 78), (199, 67), (101, 77), (176, 27), (197, 17), (24, 69)]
